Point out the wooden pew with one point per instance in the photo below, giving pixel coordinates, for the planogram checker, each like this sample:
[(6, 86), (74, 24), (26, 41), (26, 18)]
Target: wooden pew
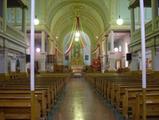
[(118, 88), (17, 76), (52, 87), (19, 108), (114, 88), (147, 105), (41, 96), (41, 91), (25, 84), (129, 99), (2, 116), (2, 76), (47, 82), (120, 91)]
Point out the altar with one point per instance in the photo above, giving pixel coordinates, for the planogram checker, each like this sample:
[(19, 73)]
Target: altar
[(77, 49), (77, 70)]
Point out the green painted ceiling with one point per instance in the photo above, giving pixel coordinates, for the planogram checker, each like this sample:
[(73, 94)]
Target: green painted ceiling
[(97, 16), (94, 16)]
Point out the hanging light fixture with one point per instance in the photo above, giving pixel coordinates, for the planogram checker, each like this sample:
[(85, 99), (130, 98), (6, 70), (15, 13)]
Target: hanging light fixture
[(77, 31), (77, 34), (76, 39), (36, 21), (120, 21), (116, 49), (57, 37), (38, 50)]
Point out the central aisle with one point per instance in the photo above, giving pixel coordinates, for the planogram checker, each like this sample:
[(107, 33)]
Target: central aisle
[(81, 103)]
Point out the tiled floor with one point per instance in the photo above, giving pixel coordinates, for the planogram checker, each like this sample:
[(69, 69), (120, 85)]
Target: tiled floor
[(81, 103)]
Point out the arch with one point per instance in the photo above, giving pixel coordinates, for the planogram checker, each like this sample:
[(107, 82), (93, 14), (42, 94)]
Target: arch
[(99, 7)]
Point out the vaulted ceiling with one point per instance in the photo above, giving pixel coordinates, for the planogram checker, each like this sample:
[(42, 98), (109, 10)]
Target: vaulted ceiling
[(94, 16)]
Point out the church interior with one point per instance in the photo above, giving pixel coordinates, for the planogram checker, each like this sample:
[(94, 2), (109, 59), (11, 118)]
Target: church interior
[(79, 60)]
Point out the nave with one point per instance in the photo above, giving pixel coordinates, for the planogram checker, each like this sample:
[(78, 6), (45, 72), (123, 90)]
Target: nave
[(95, 96), (81, 103), (44, 42)]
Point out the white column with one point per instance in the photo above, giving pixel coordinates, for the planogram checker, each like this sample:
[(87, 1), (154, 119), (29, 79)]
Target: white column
[(106, 51), (104, 63), (154, 4), (111, 56), (50, 46), (112, 63), (134, 65), (106, 44), (103, 54), (3, 62), (143, 46), (43, 41), (32, 49), (43, 53), (155, 58), (53, 47), (23, 20), (50, 65), (13, 65), (22, 61), (126, 51), (4, 15), (112, 40), (132, 22)]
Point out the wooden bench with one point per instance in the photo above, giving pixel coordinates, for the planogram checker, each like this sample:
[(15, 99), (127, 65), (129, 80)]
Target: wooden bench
[(41, 96), (2, 76), (20, 108), (120, 91), (47, 89), (129, 99), (147, 105), (117, 89), (18, 84), (113, 86), (55, 84), (17, 76), (37, 91), (2, 116)]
